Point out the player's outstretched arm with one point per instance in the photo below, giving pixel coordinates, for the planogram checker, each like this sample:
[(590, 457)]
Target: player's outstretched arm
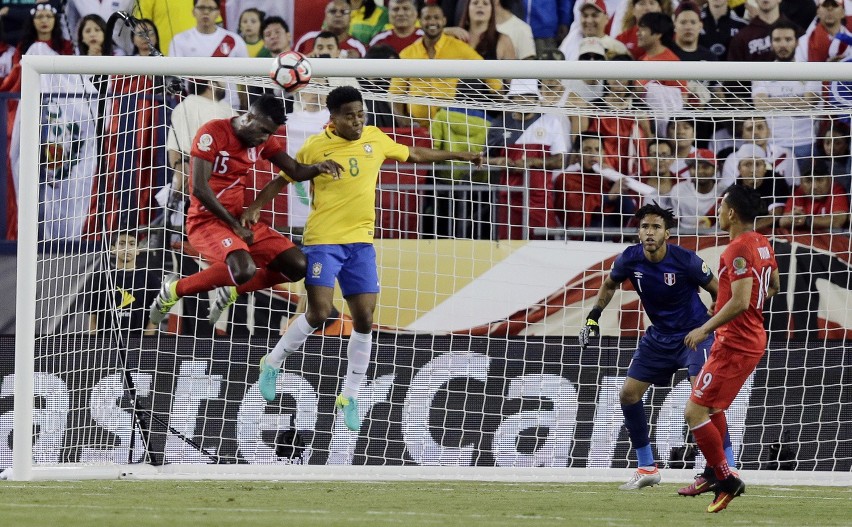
[(202, 171), (738, 304), (299, 172), (418, 154), (591, 327)]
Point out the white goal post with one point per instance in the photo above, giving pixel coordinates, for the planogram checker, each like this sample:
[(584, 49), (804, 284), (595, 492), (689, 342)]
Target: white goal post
[(477, 373)]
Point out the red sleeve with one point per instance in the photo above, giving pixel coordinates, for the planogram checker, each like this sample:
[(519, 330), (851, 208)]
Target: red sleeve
[(839, 200), (738, 260), (208, 141), (274, 145)]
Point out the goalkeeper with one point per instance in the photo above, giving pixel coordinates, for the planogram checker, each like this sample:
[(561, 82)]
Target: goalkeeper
[(667, 278)]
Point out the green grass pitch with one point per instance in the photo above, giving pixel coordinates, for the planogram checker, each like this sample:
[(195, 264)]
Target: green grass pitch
[(260, 503)]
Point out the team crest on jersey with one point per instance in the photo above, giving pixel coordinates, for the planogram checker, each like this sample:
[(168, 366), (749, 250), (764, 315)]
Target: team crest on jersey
[(368, 148), (252, 154), (704, 268), (740, 266), (669, 279), (227, 242), (225, 49), (204, 142), (316, 269)]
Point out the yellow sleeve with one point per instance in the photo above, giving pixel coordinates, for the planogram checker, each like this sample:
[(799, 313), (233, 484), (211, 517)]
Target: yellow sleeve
[(398, 85)]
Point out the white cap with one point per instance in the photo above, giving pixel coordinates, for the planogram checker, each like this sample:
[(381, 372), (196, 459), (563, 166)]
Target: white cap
[(592, 45), (524, 87), (752, 151)]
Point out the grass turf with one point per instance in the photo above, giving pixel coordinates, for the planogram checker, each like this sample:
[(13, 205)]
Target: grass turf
[(202, 503)]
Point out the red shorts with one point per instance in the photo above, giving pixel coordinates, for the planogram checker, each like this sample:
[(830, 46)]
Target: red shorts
[(215, 240), (722, 376)]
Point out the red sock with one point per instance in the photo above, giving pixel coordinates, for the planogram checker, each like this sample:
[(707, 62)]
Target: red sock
[(209, 279), (721, 423), (262, 279), (710, 442)]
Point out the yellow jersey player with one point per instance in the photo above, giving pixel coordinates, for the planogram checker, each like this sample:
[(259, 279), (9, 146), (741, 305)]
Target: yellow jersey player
[(338, 240)]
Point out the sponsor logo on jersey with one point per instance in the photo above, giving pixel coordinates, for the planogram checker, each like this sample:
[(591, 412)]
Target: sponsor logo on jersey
[(227, 242), (204, 142), (740, 266), (637, 274), (316, 269), (669, 279)]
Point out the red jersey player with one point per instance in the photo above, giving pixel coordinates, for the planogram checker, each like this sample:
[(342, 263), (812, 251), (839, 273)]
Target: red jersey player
[(244, 254), (748, 275)]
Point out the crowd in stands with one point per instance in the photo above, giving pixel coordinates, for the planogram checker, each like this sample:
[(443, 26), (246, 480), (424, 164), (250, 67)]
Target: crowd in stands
[(610, 150)]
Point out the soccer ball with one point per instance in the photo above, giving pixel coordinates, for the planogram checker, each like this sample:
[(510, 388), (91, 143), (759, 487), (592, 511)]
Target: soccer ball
[(291, 70)]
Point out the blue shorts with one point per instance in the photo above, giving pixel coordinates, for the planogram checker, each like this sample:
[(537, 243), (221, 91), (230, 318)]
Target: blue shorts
[(659, 356), (352, 264)]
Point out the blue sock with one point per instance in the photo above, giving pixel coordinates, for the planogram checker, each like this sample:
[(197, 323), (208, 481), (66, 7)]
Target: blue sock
[(637, 428), (729, 450)]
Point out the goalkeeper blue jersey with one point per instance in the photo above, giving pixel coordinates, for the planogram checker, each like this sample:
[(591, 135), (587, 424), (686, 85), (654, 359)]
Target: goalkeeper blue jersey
[(669, 288)]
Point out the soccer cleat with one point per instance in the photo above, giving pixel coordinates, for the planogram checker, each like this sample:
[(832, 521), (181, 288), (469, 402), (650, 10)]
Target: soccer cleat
[(642, 478), (726, 490), (165, 300), (266, 381), (225, 297), (349, 406), (704, 482)]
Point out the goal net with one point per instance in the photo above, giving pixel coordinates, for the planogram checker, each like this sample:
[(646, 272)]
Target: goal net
[(487, 273)]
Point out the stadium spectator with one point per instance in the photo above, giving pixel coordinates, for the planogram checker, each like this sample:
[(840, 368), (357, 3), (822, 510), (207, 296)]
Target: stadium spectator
[(620, 120), (687, 20), (251, 21), (754, 173), (204, 103), (233, 9), (276, 37), (339, 239), (655, 36), (15, 16), (753, 43), (755, 130), (146, 39), (379, 110), (583, 198), (694, 201), (593, 22), (338, 14), (818, 43), (169, 16), (117, 296), (549, 20), (833, 152), (681, 132), (720, 23), (740, 342), (325, 46), (795, 132), (404, 31), (581, 92), (244, 254), (659, 174), (480, 21), (76, 10), (636, 9), (207, 39), (366, 20), (817, 205), (433, 45), (518, 31), (91, 37)]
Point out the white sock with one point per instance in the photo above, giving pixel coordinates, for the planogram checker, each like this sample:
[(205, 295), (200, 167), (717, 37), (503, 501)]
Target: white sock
[(358, 359), (290, 341)]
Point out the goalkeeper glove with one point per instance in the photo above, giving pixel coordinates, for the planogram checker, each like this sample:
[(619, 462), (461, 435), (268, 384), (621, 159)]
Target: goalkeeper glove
[(591, 328)]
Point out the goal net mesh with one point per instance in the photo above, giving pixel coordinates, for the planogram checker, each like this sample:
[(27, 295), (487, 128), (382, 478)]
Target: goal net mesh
[(487, 274)]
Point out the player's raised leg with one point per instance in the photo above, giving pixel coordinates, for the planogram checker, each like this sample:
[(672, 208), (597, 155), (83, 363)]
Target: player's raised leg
[(636, 421)]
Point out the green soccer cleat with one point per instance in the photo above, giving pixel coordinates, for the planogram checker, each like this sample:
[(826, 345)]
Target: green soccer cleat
[(225, 297), (266, 382), (349, 406), (166, 300)]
